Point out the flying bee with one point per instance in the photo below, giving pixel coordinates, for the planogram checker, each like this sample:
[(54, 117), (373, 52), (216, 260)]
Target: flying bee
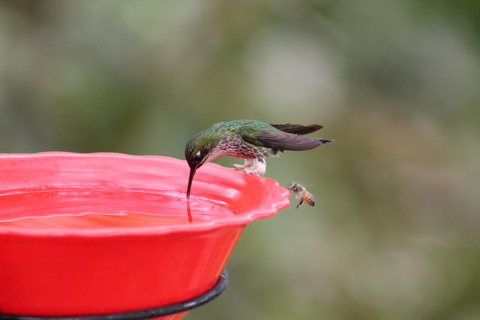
[(302, 194)]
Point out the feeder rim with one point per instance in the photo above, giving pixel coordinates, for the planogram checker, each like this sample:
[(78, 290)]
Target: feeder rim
[(268, 208)]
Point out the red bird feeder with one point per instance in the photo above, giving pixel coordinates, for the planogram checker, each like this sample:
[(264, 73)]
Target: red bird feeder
[(112, 236)]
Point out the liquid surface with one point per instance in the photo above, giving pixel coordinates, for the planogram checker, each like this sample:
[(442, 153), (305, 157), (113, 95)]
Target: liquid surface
[(100, 208)]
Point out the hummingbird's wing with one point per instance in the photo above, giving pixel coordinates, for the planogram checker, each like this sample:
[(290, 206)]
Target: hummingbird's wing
[(288, 141), (274, 138), (284, 141), (297, 128)]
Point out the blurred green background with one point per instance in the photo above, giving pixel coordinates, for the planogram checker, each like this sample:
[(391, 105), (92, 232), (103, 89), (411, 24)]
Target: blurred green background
[(395, 233)]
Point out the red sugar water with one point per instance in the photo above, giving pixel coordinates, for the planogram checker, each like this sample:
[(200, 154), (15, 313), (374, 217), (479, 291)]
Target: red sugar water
[(100, 208)]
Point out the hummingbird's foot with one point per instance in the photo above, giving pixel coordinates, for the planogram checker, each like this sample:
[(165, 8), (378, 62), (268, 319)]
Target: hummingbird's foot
[(252, 167), (249, 163), (258, 167), (250, 172)]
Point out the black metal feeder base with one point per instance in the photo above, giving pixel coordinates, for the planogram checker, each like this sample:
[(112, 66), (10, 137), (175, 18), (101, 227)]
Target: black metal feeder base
[(197, 301)]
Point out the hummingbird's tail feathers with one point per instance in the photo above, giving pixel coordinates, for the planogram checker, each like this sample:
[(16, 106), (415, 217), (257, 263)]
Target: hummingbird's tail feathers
[(294, 142), (323, 141), (297, 128)]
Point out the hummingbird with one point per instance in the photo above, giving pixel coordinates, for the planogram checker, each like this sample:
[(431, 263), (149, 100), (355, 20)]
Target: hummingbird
[(251, 140)]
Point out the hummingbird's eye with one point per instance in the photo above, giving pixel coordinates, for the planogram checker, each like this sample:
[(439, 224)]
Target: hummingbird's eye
[(198, 155)]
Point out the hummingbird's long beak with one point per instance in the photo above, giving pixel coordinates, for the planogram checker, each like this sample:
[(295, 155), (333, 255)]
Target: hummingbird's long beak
[(190, 180)]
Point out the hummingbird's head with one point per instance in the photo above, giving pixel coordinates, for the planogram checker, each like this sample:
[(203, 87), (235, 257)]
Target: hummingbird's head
[(196, 155), (197, 152)]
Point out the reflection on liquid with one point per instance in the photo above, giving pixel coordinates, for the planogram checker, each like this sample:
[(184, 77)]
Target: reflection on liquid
[(189, 211)]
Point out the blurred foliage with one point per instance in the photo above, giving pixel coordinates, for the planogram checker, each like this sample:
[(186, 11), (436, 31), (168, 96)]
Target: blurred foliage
[(395, 233)]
